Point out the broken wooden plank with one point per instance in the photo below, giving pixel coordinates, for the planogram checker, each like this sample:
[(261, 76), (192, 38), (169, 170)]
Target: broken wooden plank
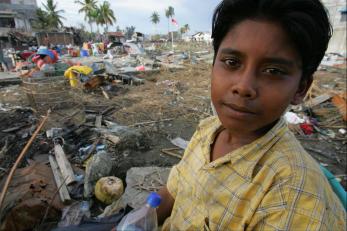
[(104, 93), (114, 139), (151, 122), (64, 164), (63, 192), (318, 100), (98, 120)]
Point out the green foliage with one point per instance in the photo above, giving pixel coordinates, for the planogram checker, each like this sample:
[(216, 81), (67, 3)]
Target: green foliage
[(105, 15), (170, 12), (51, 14), (41, 21), (155, 18), (88, 7)]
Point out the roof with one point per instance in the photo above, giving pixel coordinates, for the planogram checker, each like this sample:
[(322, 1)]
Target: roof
[(116, 34), (201, 33)]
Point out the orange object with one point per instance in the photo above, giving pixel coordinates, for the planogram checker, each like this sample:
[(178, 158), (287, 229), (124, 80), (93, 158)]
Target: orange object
[(340, 102)]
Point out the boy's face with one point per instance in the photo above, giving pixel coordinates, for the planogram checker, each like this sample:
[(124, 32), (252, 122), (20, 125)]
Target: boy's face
[(256, 75)]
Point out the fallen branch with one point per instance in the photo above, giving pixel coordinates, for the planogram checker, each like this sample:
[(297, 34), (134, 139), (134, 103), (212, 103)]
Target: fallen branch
[(168, 151), (150, 122), (20, 157)]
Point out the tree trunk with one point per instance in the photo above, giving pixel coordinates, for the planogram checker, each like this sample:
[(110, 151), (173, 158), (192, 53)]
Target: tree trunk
[(168, 26), (91, 27)]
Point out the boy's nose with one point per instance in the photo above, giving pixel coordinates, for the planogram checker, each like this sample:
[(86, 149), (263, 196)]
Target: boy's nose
[(245, 87)]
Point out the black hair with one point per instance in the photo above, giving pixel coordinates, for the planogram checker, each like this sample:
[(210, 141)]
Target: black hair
[(306, 23)]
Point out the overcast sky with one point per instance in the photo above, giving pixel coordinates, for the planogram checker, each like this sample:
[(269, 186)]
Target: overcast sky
[(196, 13)]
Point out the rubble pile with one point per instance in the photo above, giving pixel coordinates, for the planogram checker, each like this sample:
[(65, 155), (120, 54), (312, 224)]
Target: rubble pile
[(136, 107)]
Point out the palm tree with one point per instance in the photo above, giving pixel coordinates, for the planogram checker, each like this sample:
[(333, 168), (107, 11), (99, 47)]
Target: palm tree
[(105, 15), (169, 12), (53, 15), (41, 21), (186, 28), (155, 19), (88, 8)]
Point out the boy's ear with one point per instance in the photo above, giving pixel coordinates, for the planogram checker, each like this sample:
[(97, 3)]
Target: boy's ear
[(302, 90)]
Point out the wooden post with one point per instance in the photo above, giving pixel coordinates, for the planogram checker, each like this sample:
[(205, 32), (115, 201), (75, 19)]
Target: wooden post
[(98, 119), (63, 192), (64, 164)]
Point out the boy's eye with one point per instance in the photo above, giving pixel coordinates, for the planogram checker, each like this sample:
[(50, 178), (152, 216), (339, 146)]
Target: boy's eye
[(275, 71), (232, 62)]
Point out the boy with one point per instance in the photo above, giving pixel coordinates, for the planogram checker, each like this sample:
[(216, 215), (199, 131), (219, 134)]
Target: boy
[(244, 170)]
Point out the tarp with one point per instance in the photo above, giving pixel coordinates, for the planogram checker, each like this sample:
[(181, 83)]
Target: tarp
[(71, 73)]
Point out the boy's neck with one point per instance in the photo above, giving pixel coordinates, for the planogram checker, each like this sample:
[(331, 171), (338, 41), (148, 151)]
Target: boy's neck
[(244, 138), (228, 140)]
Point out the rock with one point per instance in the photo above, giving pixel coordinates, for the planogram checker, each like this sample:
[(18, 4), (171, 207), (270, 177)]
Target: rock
[(99, 166), (140, 179)]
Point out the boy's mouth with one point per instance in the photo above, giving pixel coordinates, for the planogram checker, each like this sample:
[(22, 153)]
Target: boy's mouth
[(238, 111)]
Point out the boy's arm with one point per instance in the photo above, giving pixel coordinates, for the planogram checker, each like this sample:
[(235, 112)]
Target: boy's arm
[(165, 207)]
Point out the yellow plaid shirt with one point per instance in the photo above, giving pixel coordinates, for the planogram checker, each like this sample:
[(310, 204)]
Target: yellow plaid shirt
[(270, 184)]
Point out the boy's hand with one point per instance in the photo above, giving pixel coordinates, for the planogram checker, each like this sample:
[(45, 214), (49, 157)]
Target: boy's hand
[(165, 207)]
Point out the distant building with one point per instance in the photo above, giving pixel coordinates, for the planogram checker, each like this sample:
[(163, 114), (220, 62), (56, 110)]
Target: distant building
[(338, 17), (202, 37), (116, 37), (16, 15)]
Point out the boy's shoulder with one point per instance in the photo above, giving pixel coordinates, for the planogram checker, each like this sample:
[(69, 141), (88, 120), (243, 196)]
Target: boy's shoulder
[(289, 159)]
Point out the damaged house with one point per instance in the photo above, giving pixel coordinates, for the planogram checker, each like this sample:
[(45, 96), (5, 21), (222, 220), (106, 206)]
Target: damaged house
[(338, 16), (16, 17)]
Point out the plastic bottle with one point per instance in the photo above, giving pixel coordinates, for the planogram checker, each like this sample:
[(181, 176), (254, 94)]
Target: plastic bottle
[(142, 219)]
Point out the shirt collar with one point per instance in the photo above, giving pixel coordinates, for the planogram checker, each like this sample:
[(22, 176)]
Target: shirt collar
[(244, 159)]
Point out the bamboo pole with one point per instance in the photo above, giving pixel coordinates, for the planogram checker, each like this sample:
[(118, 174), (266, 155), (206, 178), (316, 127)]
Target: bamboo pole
[(20, 157)]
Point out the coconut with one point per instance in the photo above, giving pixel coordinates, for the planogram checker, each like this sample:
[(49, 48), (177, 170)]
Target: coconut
[(109, 189)]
